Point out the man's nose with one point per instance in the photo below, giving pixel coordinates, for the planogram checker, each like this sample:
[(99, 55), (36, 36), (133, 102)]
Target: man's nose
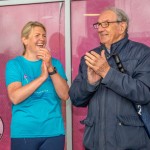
[(100, 28)]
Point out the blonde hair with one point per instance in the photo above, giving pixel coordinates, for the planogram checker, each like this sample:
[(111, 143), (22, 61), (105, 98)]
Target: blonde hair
[(28, 28)]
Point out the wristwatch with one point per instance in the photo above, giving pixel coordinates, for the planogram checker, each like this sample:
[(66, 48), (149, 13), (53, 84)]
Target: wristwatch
[(53, 72)]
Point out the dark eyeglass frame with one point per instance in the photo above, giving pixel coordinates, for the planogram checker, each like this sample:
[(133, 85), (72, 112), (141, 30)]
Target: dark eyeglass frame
[(104, 24)]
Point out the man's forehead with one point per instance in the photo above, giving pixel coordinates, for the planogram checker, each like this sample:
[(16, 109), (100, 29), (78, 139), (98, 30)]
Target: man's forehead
[(107, 15)]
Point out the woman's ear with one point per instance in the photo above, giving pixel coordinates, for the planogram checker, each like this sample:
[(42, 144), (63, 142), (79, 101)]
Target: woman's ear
[(24, 40)]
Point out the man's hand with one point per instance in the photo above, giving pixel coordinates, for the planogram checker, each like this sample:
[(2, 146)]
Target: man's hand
[(98, 63), (92, 76)]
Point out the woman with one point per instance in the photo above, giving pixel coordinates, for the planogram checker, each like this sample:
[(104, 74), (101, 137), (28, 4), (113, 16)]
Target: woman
[(36, 84)]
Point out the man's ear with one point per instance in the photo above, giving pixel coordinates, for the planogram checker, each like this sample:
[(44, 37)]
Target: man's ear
[(123, 27)]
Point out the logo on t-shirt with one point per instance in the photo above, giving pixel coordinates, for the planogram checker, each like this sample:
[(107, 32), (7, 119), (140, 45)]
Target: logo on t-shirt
[(42, 91), (28, 79)]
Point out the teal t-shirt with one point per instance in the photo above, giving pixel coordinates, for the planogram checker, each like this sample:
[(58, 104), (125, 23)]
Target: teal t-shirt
[(40, 114)]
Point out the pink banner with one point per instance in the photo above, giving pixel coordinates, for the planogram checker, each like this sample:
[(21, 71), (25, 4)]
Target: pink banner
[(13, 18)]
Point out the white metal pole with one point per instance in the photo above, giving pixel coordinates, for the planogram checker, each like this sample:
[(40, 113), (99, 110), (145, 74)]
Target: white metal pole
[(67, 56), (18, 2), (68, 71)]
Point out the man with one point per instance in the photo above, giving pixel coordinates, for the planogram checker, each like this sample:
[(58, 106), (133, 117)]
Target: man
[(113, 78)]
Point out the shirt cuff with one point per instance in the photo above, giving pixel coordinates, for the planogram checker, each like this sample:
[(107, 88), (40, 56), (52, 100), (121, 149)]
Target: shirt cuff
[(108, 77), (92, 87)]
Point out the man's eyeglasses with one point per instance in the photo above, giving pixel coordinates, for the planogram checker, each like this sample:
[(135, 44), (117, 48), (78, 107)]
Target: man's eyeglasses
[(104, 24)]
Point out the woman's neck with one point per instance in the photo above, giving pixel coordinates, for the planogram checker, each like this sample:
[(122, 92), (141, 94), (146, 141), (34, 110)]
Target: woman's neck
[(30, 56)]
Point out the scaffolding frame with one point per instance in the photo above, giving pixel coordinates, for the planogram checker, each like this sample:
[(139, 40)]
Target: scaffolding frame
[(67, 54)]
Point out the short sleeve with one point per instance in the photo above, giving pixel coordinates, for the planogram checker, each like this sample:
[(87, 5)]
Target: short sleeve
[(12, 73)]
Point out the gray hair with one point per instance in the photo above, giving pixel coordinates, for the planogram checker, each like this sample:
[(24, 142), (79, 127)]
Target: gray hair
[(121, 15)]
